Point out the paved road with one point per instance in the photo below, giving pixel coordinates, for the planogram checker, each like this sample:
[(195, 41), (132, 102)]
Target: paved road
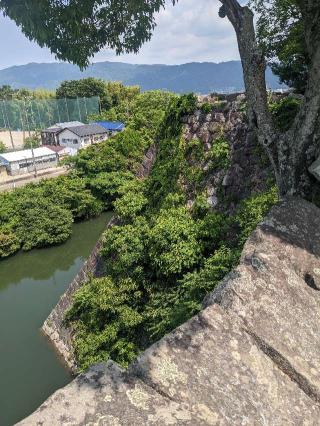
[(19, 181)]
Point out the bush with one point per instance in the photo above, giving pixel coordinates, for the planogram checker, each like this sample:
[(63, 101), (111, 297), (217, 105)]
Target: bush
[(9, 243), (219, 154), (71, 193), (252, 211), (172, 307), (107, 186), (173, 242), (125, 248), (42, 223), (284, 112), (213, 230), (107, 321), (206, 108), (32, 142), (130, 205), (3, 148)]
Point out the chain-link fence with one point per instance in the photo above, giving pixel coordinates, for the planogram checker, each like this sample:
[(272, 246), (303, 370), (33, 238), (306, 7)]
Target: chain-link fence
[(36, 114)]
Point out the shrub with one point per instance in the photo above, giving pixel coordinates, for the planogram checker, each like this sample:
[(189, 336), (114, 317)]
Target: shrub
[(32, 142), (173, 242), (170, 308), (124, 248), (213, 230), (42, 223), (9, 243), (107, 186), (284, 112), (106, 319), (3, 148), (252, 211), (130, 205), (206, 108), (219, 154)]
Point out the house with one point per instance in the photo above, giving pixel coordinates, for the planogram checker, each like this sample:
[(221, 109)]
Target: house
[(28, 160), (82, 136), (49, 136), (112, 127)]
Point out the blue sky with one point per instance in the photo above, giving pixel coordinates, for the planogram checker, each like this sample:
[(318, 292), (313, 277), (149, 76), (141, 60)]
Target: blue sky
[(190, 31)]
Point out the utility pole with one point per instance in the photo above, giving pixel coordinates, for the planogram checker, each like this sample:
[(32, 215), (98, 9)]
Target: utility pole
[(34, 161)]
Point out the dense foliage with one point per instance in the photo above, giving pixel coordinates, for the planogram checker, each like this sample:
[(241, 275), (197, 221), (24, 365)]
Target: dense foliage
[(110, 93), (163, 257), (280, 31), (40, 215)]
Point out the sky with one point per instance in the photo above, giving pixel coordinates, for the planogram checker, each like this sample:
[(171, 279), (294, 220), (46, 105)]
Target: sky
[(191, 31)]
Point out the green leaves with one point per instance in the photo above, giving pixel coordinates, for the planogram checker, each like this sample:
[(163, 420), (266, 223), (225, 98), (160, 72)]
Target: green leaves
[(107, 321), (280, 33), (174, 247)]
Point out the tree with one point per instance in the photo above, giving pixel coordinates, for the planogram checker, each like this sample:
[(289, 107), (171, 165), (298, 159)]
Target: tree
[(85, 88), (76, 30), (280, 33), (290, 152), (3, 148), (32, 142)]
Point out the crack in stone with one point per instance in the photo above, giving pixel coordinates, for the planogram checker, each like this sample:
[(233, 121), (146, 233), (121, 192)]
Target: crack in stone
[(286, 367)]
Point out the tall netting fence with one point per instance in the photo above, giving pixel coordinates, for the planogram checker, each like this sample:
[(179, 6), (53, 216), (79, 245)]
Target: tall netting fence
[(36, 114)]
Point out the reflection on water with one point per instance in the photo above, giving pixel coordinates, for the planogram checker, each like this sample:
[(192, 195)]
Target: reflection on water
[(30, 285)]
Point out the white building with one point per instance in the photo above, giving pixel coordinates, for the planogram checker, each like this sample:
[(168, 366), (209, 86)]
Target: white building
[(82, 136), (49, 136), (21, 162)]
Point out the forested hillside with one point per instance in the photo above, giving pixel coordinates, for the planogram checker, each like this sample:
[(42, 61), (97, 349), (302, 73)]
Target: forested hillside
[(195, 77)]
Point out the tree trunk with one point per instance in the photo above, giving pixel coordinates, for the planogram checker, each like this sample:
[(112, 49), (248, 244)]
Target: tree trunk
[(292, 152)]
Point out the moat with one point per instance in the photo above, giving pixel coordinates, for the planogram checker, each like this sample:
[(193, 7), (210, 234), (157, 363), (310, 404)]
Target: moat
[(30, 285)]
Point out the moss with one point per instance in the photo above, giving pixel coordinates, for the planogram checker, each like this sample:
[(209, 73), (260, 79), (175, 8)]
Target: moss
[(284, 112)]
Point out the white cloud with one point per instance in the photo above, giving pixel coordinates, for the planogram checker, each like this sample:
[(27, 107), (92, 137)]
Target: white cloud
[(191, 31)]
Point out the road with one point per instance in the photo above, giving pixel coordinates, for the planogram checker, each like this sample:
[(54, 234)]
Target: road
[(19, 181)]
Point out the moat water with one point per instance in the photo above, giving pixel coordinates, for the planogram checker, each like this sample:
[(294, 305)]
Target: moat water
[(30, 285)]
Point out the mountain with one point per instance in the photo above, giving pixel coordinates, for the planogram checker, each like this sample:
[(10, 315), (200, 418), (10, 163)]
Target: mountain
[(198, 77)]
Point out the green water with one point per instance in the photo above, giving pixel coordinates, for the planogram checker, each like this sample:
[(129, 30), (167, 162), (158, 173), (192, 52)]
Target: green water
[(30, 286)]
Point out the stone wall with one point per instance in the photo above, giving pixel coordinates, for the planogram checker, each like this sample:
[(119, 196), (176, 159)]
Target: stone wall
[(53, 327), (249, 169), (251, 357)]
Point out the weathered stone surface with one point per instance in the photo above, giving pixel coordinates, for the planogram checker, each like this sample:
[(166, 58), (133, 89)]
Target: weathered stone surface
[(315, 169), (280, 301), (106, 395), (251, 357)]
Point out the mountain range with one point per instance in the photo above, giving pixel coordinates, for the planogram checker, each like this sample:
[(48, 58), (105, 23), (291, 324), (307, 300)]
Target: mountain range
[(198, 77)]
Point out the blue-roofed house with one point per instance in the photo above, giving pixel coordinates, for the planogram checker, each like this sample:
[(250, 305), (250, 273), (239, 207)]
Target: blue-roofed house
[(112, 127)]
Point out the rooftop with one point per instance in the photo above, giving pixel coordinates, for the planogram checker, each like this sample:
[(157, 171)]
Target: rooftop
[(86, 130), (10, 157), (58, 126), (111, 125)]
